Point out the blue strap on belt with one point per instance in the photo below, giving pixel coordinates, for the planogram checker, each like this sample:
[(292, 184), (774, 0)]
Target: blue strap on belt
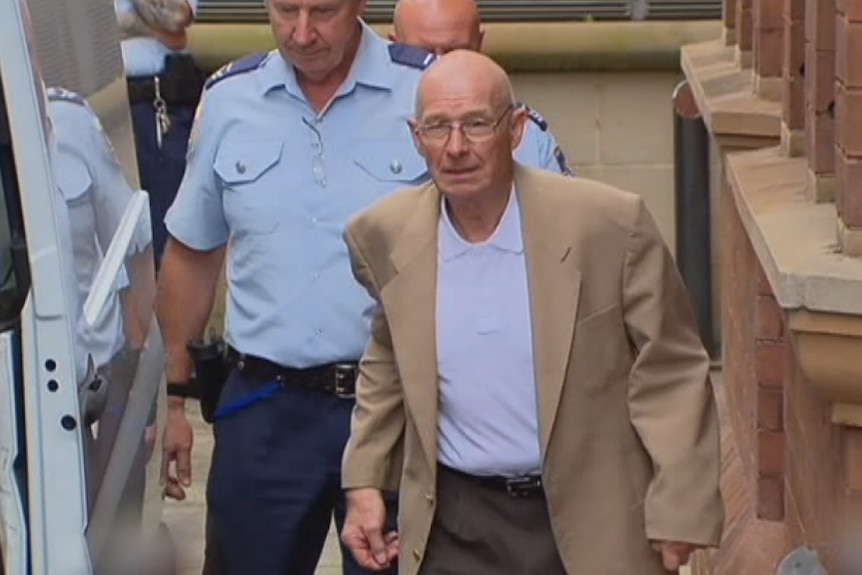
[(248, 400)]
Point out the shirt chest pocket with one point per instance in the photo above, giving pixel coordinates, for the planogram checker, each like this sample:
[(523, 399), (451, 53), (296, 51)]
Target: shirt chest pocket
[(391, 160), (252, 190)]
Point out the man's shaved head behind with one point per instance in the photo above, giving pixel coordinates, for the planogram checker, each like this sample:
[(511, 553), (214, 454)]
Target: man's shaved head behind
[(471, 95), (467, 74), (438, 26)]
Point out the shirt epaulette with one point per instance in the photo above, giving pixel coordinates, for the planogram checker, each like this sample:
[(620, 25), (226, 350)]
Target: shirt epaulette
[(241, 66), (536, 117), (56, 94), (410, 56)]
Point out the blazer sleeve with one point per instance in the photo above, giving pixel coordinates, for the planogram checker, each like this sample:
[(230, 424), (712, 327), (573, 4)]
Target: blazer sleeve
[(670, 397), (373, 455)]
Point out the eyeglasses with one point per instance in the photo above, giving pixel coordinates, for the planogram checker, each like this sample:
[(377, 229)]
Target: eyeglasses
[(475, 130)]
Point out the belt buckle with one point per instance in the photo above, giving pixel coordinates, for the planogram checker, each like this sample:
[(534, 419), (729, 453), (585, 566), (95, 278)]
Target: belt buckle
[(345, 381), (522, 487)]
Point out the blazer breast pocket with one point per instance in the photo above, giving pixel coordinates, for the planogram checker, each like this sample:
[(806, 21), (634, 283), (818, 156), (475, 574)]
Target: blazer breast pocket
[(600, 353)]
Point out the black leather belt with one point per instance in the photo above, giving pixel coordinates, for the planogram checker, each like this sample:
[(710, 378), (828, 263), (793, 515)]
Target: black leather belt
[(525, 487), (144, 90), (336, 378)]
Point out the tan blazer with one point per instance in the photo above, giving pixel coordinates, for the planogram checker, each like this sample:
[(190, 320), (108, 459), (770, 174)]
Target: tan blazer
[(629, 430)]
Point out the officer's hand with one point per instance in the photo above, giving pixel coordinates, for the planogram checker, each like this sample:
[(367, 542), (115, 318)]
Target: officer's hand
[(363, 530), (176, 450), (674, 554)]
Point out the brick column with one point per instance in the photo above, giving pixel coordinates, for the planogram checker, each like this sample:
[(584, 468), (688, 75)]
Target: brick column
[(793, 93), (848, 117), (767, 49), (770, 354), (820, 97), (744, 33), (728, 17)]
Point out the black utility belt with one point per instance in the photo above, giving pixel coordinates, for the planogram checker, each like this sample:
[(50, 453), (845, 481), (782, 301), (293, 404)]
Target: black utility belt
[(180, 84), (338, 379), (525, 487)]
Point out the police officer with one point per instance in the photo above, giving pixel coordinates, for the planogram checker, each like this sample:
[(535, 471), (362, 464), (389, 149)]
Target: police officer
[(164, 87), (441, 26), (96, 194), (287, 146)]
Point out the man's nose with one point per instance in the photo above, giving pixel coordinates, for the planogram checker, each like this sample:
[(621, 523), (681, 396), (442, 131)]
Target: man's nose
[(457, 144), (303, 30)]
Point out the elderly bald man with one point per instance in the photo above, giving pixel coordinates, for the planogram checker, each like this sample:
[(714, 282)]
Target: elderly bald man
[(559, 418), (441, 26)]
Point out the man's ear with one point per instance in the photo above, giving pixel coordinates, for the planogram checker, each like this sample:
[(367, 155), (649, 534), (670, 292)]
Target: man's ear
[(417, 143), (519, 124)]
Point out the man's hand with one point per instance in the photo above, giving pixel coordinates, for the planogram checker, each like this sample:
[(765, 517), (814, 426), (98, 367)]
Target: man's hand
[(176, 449), (674, 554), (363, 530)]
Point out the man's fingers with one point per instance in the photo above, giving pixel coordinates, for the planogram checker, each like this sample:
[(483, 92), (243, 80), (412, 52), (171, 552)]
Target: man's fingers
[(172, 490), (359, 548), (670, 559), (374, 536), (184, 466)]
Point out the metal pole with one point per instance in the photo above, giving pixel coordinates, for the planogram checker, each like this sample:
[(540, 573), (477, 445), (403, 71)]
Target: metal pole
[(691, 187)]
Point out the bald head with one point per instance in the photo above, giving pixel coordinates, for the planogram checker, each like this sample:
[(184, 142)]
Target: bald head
[(464, 75), (438, 26)]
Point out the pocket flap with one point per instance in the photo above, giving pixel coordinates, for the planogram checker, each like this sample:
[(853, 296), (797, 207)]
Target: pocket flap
[(241, 162), (394, 160)]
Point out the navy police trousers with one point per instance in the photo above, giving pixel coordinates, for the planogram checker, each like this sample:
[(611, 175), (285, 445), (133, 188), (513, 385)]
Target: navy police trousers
[(275, 482)]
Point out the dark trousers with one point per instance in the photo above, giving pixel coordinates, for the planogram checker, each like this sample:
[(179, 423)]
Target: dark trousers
[(480, 530), (275, 482), (161, 169)]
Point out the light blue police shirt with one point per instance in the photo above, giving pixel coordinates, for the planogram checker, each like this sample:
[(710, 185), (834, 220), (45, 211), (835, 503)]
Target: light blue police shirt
[(96, 192), (539, 148), (485, 352), (144, 56), (278, 182)]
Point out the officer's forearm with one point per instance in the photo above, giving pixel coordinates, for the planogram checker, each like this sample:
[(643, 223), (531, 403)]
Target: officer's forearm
[(139, 299), (186, 291)]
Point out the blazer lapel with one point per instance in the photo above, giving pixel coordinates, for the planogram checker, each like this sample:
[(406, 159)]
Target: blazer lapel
[(410, 299), (554, 283)]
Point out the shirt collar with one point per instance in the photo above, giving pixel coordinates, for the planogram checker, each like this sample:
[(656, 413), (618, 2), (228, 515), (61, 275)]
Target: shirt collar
[(371, 67), (507, 237)]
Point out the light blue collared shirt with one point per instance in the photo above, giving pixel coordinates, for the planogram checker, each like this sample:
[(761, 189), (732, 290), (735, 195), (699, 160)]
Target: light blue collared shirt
[(144, 56), (96, 192), (278, 182), (485, 352), (539, 147)]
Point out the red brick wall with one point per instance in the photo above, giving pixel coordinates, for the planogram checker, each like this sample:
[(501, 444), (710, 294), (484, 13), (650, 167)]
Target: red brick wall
[(770, 351), (814, 483), (819, 85), (793, 93), (848, 108)]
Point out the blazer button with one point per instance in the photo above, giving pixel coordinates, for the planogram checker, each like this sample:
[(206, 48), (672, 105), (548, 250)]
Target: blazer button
[(429, 497), (417, 554)]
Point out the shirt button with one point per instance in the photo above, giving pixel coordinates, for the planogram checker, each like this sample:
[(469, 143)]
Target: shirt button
[(316, 275)]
